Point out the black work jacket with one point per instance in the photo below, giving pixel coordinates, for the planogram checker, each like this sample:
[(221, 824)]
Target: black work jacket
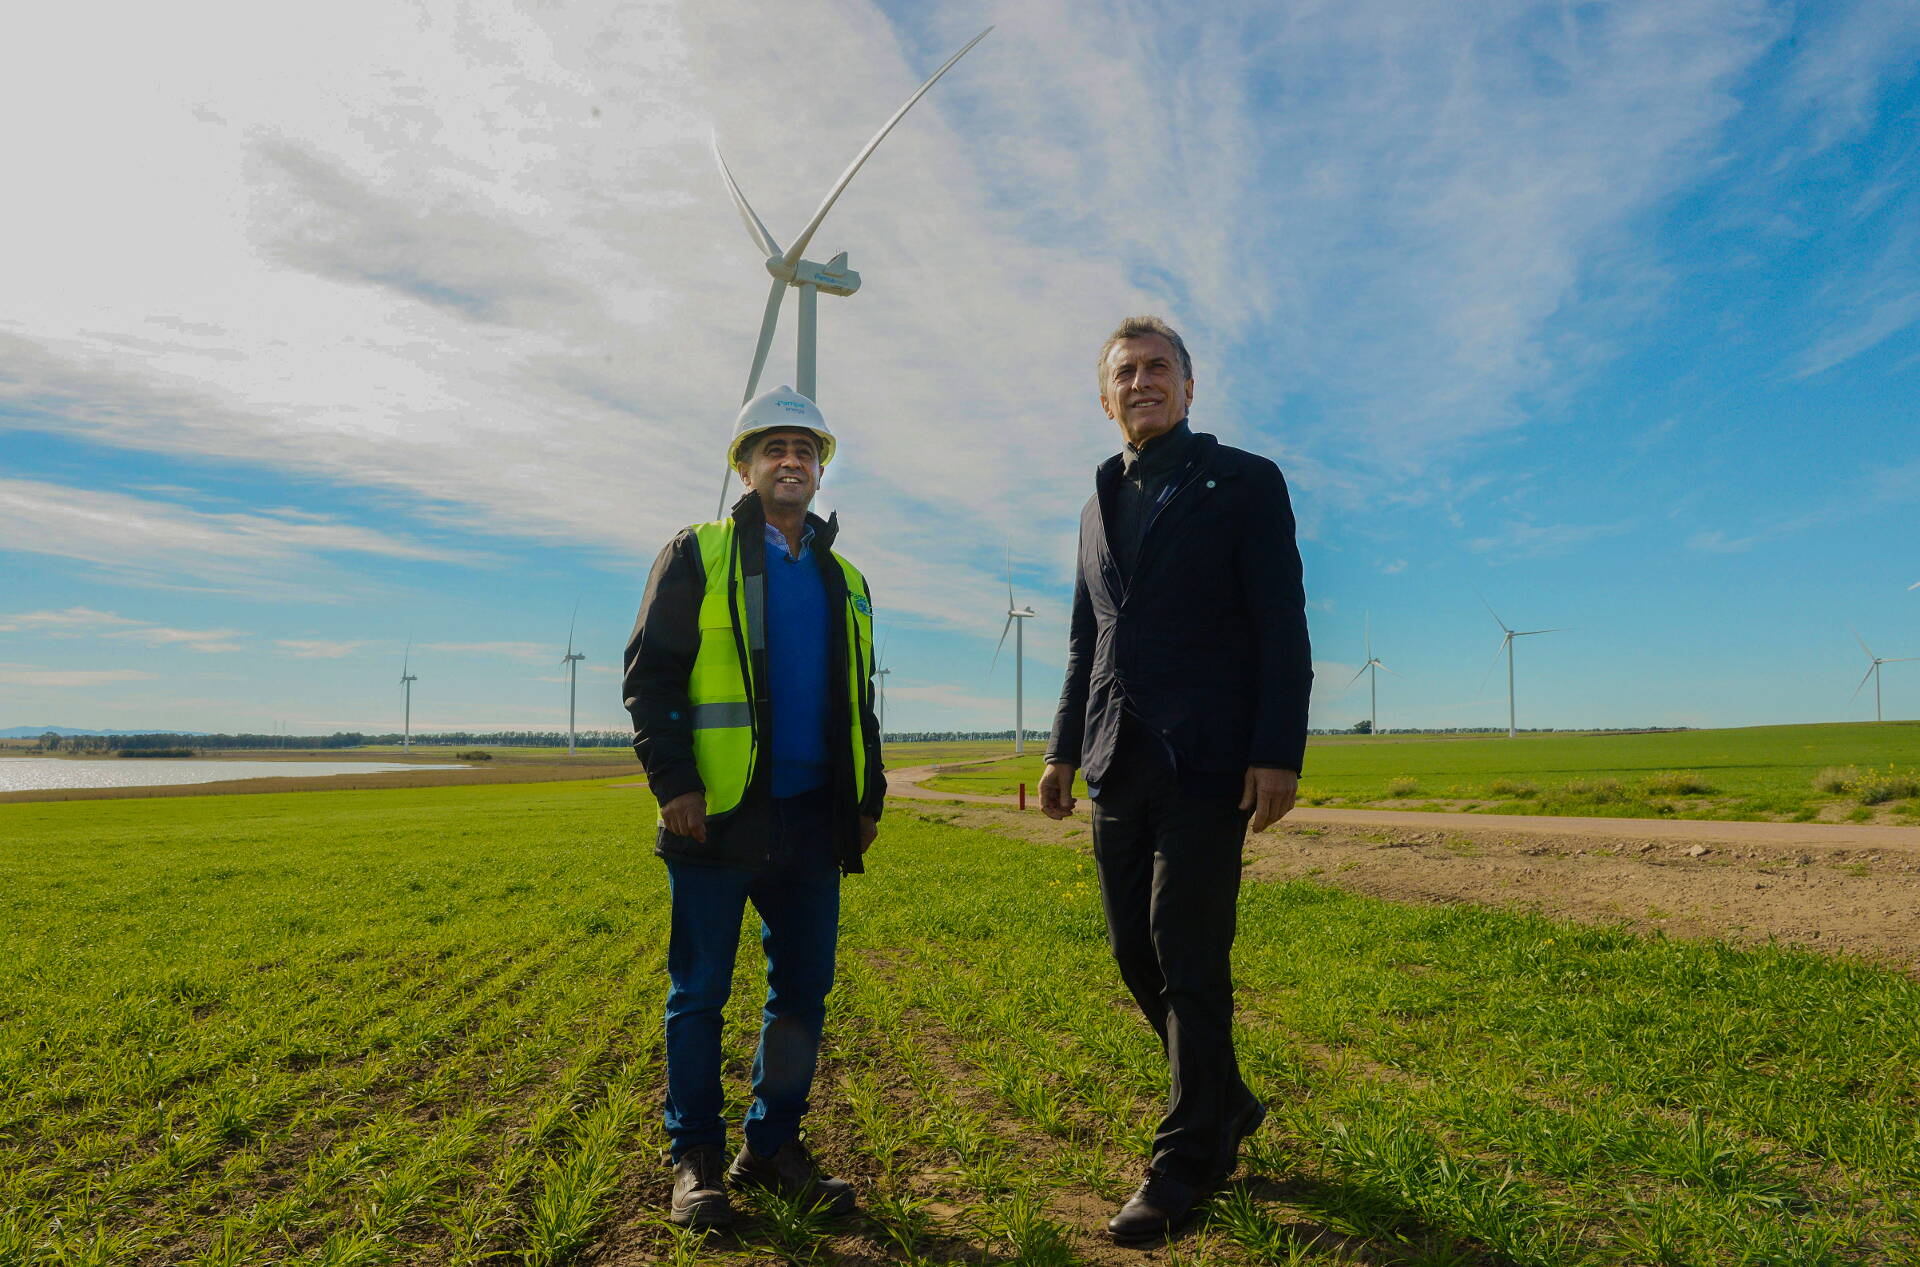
[(659, 664), (1206, 643)]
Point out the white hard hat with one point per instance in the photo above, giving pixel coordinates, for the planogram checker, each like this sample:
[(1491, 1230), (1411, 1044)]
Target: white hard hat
[(780, 409)]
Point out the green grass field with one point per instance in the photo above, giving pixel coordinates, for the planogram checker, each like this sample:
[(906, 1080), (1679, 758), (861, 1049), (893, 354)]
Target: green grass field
[(1763, 772), (423, 1026)]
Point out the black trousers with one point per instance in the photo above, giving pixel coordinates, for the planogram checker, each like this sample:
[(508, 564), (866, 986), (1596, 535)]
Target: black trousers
[(1169, 864)]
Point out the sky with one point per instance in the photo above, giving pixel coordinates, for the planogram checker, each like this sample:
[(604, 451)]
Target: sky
[(329, 330)]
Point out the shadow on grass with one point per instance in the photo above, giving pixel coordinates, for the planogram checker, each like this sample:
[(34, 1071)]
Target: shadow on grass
[(1310, 1219)]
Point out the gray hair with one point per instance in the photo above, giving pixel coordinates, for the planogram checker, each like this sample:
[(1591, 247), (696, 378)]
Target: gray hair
[(1138, 327)]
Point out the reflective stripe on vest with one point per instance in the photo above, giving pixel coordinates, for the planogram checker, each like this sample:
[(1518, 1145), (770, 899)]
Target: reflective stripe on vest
[(722, 689)]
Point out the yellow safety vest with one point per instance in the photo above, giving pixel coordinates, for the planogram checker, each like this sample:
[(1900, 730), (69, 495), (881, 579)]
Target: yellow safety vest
[(725, 685)]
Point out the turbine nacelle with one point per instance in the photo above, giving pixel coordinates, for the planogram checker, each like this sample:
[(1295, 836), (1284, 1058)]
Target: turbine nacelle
[(831, 278)]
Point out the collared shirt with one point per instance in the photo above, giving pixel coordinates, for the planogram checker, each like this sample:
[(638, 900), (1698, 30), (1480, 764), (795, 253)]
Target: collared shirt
[(797, 627), (777, 540), (1148, 475)]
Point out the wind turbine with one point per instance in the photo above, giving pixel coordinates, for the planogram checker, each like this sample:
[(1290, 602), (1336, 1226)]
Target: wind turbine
[(1015, 617), (1873, 671), (1373, 681), (880, 672), (789, 269), (571, 661), (406, 684), (1506, 645)]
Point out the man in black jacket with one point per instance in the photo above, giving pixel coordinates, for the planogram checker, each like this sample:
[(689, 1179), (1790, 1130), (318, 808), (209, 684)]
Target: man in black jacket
[(749, 678), (1185, 704)]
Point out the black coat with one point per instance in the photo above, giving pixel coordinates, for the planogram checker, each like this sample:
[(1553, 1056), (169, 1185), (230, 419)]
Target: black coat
[(1206, 644), (659, 664)]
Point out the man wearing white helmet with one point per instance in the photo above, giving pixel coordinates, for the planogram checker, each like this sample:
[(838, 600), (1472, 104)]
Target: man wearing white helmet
[(750, 680)]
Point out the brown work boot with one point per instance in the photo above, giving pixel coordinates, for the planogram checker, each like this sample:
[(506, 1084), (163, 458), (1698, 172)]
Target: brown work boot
[(699, 1189), (793, 1173)]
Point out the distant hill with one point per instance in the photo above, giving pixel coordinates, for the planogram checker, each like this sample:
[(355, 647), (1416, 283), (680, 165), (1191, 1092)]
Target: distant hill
[(34, 732)]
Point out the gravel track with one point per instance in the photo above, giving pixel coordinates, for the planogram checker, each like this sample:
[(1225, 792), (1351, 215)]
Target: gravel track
[(1834, 887)]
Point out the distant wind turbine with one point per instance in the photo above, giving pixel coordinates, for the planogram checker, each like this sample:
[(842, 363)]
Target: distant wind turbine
[(1873, 671), (1016, 618), (1373, 681), (1506, 645), (572, 662), (406, 684), (880, 671), (788, 269)]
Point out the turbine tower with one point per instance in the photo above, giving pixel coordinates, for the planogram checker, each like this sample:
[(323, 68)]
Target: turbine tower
[(1016, 616), (406, 684), (571, 661), (1506, 645), (880, 671), (1373, 681), (789, 269), (1873, 671)]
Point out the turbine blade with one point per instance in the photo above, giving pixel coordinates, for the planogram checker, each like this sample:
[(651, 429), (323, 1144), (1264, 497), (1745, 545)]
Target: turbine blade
[(1496, 659), (756, 230), (998, 645), (1383, 668), (1898, 659), (769, 320), (1356, 677), (1009, 571), (1527, 633), (799, 246), (570, 623), (1862, 641), (1863, 681), (1496, 615), (884, 640)]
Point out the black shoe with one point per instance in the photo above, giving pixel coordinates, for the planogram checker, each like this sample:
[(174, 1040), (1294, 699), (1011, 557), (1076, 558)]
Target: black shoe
[(699, 1192), (793, 1173), (1157, 1208)]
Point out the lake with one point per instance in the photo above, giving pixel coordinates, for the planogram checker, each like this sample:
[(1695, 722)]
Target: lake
[(33, 774)]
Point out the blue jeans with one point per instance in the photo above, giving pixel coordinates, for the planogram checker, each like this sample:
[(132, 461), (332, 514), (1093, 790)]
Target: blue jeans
[(798, 897)]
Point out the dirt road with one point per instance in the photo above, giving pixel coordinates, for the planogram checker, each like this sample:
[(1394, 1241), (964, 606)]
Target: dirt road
[(1838, 887)]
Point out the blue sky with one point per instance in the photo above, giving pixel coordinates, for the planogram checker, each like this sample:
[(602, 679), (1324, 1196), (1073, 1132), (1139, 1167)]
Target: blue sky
[(429, 322)]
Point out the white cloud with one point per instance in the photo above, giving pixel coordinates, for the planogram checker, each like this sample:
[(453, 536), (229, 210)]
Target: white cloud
[(74, 621), (65, 622), (1714, 541), (512, 650), (1844, 55), (479, 256), (205, 641), (1527, 540), (1882, 304), (35, 675), (135, 535), (319, 648), (965, 708)]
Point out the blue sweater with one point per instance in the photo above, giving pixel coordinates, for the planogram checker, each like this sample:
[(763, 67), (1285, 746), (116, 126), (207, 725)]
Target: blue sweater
[(796, 666)]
